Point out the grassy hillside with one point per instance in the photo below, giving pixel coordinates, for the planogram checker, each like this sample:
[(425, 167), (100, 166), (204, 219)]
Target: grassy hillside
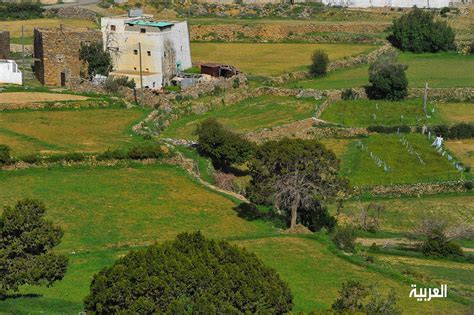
[(47, 131), (439, 70), (269, 59), (251, 114)]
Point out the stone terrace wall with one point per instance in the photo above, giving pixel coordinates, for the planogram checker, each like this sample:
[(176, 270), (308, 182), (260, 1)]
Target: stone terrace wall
[(4, 44), (57, 51)]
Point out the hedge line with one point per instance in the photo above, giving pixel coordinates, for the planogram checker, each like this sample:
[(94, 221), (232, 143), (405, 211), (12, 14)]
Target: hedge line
[(457, 131)]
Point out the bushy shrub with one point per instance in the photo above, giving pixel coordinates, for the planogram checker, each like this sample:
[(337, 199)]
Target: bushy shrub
[(468, 185), (319, 63), (67, 157), (344, 237), (389, 129), (98, 60), (417, 31), (388, 80), (223, 146), (20, 10), (5, 157), (439, 247), (113, 84), (31, 158), (317, 217), (457, 131), (191, 275), (146, 150), (112, 155)]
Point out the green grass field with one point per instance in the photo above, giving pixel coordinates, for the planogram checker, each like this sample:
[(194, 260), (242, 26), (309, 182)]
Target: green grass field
[(106, 211), (405, 167), (52, 131), (439, 70), (249, 115), (269, 59), (363, 113)]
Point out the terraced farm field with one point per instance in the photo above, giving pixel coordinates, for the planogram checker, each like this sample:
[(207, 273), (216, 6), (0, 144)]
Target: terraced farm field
[(265, 59), (51, 131), (249, 115)]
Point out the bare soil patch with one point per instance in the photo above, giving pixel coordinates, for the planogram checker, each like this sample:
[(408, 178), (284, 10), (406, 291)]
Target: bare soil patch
[(11, 98)]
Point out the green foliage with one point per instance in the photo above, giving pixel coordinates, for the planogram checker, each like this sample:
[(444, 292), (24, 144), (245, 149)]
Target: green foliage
[(344, 237), (295, 174), (5, 157), (20, 10), (457, 131), (98, 60), (113, 84), (417, 31), (317, 217), (319, 63), (189, 275), (146, 150), (388, 80), (353, 294), (224, 147), (25, 250)]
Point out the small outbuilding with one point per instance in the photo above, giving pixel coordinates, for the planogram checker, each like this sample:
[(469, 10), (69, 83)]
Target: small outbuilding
[(218, 70), (9, 72)]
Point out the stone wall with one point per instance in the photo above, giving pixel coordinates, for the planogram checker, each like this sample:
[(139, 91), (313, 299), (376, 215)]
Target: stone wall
[(412, 190), (4, 44), (57, 53)]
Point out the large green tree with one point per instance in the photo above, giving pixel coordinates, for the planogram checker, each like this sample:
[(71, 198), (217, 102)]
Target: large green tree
[(294, 174), (418, 31), (98, 60), (388, 79), (223, 146), (26, 241), (189, 275)]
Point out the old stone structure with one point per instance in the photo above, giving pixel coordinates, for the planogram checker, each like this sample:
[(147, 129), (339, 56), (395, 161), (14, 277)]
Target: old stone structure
[(4, 44), (56, 53)]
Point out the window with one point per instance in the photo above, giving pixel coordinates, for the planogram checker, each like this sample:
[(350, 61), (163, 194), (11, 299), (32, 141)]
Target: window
[(147, 70), (112, 28), (143, 30), (135, 52), (135, 68), (148, 53)]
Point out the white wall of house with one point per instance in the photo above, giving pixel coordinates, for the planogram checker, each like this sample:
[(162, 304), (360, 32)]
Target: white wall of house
[(164, 50), (9, 72)]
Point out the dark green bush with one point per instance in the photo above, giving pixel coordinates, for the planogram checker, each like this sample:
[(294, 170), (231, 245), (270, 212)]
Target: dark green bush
[(98, 61), (388, 81), (191, 275), (439, 247), (5, 157), (146, 150), (457, 131), (344, 237), (68, 157), (417, 31), (31, 158), (112, 155), (319, 63), (468, 185), (20, 10), (389, 129), (316, 218)]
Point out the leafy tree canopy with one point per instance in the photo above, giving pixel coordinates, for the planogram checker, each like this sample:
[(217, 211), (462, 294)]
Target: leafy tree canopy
[(417, 31), (319, 63), (388, 79), (224, 147), (98, 60), (25, 247), (189, 275)]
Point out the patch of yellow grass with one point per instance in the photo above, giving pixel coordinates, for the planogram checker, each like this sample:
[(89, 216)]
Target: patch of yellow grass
[(269, 59), (14, 27), (463, 149), (456, 112), (37, 97), (338, 146)]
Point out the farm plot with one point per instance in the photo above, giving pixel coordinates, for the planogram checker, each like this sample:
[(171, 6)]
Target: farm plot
[(363, 113), (438, 70), (386, 160), (8, 100), (88, 130), (249, 115), (270, 59), (464, 150)]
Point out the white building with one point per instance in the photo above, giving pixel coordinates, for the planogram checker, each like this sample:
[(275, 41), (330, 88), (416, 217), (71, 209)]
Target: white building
[(163, 48), (9, 72), (390, 3)]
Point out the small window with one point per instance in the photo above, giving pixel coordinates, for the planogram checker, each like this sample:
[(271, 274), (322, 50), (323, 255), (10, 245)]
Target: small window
[(148, 70), (112, 28), (143, 30), (148, 53), (135, 68), (135, 52)]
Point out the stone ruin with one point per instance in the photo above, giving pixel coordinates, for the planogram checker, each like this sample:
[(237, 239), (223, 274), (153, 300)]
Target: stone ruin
[(4, 44), (56, 53)]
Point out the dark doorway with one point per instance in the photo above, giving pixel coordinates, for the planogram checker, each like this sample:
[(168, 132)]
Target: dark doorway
[(63, 78)]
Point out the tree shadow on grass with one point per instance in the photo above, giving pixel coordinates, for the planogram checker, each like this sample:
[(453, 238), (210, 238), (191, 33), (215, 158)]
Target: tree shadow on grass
[(250, 212), (19, 296)]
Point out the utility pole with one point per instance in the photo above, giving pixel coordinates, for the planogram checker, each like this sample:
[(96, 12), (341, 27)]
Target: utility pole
[(425, 98), (141, 72), (23, 54)]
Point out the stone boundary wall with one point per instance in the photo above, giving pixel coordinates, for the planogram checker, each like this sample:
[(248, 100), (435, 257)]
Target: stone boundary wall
[(4, 44), (412, 189)]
